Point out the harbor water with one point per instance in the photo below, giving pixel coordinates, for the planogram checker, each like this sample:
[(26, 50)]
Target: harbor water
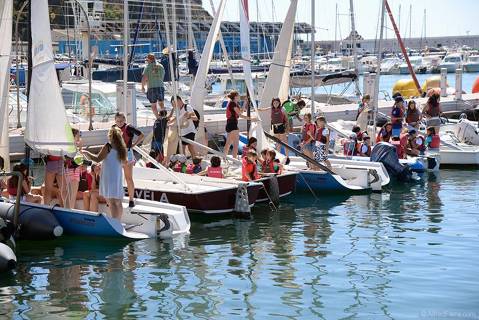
[(407, 253)]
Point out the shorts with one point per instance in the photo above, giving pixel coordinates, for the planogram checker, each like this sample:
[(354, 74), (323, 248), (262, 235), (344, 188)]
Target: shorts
[(279, 128), (72, 174), (290, 124), (433, 122), (320, 153), (155, 94), (190, 136), (231, 125), (309, 147), (55, 166), (396, 130)]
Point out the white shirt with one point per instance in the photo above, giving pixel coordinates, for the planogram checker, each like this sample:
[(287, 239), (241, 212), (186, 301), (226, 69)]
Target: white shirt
[(190, 126)]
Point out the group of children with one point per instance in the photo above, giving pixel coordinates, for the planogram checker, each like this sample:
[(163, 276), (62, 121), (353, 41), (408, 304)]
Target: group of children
[(88, 187), (254, 165), (315, 138)]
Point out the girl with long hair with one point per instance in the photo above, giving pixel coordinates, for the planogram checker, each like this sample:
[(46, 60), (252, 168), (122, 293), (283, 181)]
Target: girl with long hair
[(113, 154), (233, 112)]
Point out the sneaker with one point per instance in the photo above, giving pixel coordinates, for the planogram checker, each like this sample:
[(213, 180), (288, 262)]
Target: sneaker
[(131, 204), (287, 161)]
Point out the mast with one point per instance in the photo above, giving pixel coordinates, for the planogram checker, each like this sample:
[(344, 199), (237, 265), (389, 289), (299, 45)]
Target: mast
[(355, 53), (172, 71), (135, 37), (125, 53), (403, 49), (410, 21), (257, 28), (313, 57), (336, 30), (223, 49), (378, 69)]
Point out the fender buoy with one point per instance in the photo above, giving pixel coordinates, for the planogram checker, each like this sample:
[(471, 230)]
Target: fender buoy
[(475, 86)]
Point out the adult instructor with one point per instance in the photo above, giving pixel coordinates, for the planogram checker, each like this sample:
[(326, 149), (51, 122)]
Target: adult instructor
[(153, 78)]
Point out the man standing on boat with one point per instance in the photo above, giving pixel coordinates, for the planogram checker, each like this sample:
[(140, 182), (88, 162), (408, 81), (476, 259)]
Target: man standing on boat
[(153, 77)]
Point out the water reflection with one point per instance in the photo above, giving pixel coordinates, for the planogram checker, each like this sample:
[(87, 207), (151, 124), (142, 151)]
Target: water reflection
[(360, 256)]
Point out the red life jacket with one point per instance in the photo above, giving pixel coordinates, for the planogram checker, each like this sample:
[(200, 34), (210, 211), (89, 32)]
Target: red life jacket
[(230, 111), (249, 170), (53, 158), (268, 167), (189, 168), (306, 128), (319, 135), (277, 116), (412, 116), (125, 135), (215, 172), (435, 142), (433, 110)]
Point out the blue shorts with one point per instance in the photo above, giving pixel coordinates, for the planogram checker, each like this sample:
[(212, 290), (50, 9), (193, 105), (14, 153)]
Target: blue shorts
[(309, 147), (155, 94)]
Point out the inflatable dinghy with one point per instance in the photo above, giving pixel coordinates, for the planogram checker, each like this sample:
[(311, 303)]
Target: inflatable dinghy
[(8, 260), (36, 222)]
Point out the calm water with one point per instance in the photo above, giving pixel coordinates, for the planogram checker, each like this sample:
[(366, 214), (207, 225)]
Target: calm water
[(386, 84), (408, 253)]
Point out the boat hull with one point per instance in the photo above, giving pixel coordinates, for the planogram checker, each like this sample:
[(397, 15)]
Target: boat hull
[(472, 67), (36, 221), (324, 182), (286, 184), (212, 202)]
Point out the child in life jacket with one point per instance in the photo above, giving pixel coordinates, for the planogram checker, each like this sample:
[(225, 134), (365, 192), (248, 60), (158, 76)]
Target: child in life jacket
[(365, 147), (173, 161), (350, 147), (214, 170), (267, 165), (412, 145), (181, 166), (249, 170), (432, 139), (195, 166)]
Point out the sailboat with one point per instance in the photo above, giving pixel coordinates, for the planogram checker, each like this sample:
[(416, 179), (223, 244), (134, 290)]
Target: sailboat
[(199, 194), (343, 177), (48, 132)]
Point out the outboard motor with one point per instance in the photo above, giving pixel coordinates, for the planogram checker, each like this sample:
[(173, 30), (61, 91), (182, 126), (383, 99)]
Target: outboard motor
[(8, 260), (35, 222), (386, 154)]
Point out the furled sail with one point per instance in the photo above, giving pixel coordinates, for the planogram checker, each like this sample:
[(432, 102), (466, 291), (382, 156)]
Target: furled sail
[(47, 130), (277, 83), (6, 11)]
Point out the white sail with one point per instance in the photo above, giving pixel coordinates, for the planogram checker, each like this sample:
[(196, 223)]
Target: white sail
[(47, 130), (198, 91), (245, 49), (6, 12), (255, 130), (277, 83)]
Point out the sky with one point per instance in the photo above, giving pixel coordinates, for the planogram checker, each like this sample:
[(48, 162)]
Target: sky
[(443, 17)]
